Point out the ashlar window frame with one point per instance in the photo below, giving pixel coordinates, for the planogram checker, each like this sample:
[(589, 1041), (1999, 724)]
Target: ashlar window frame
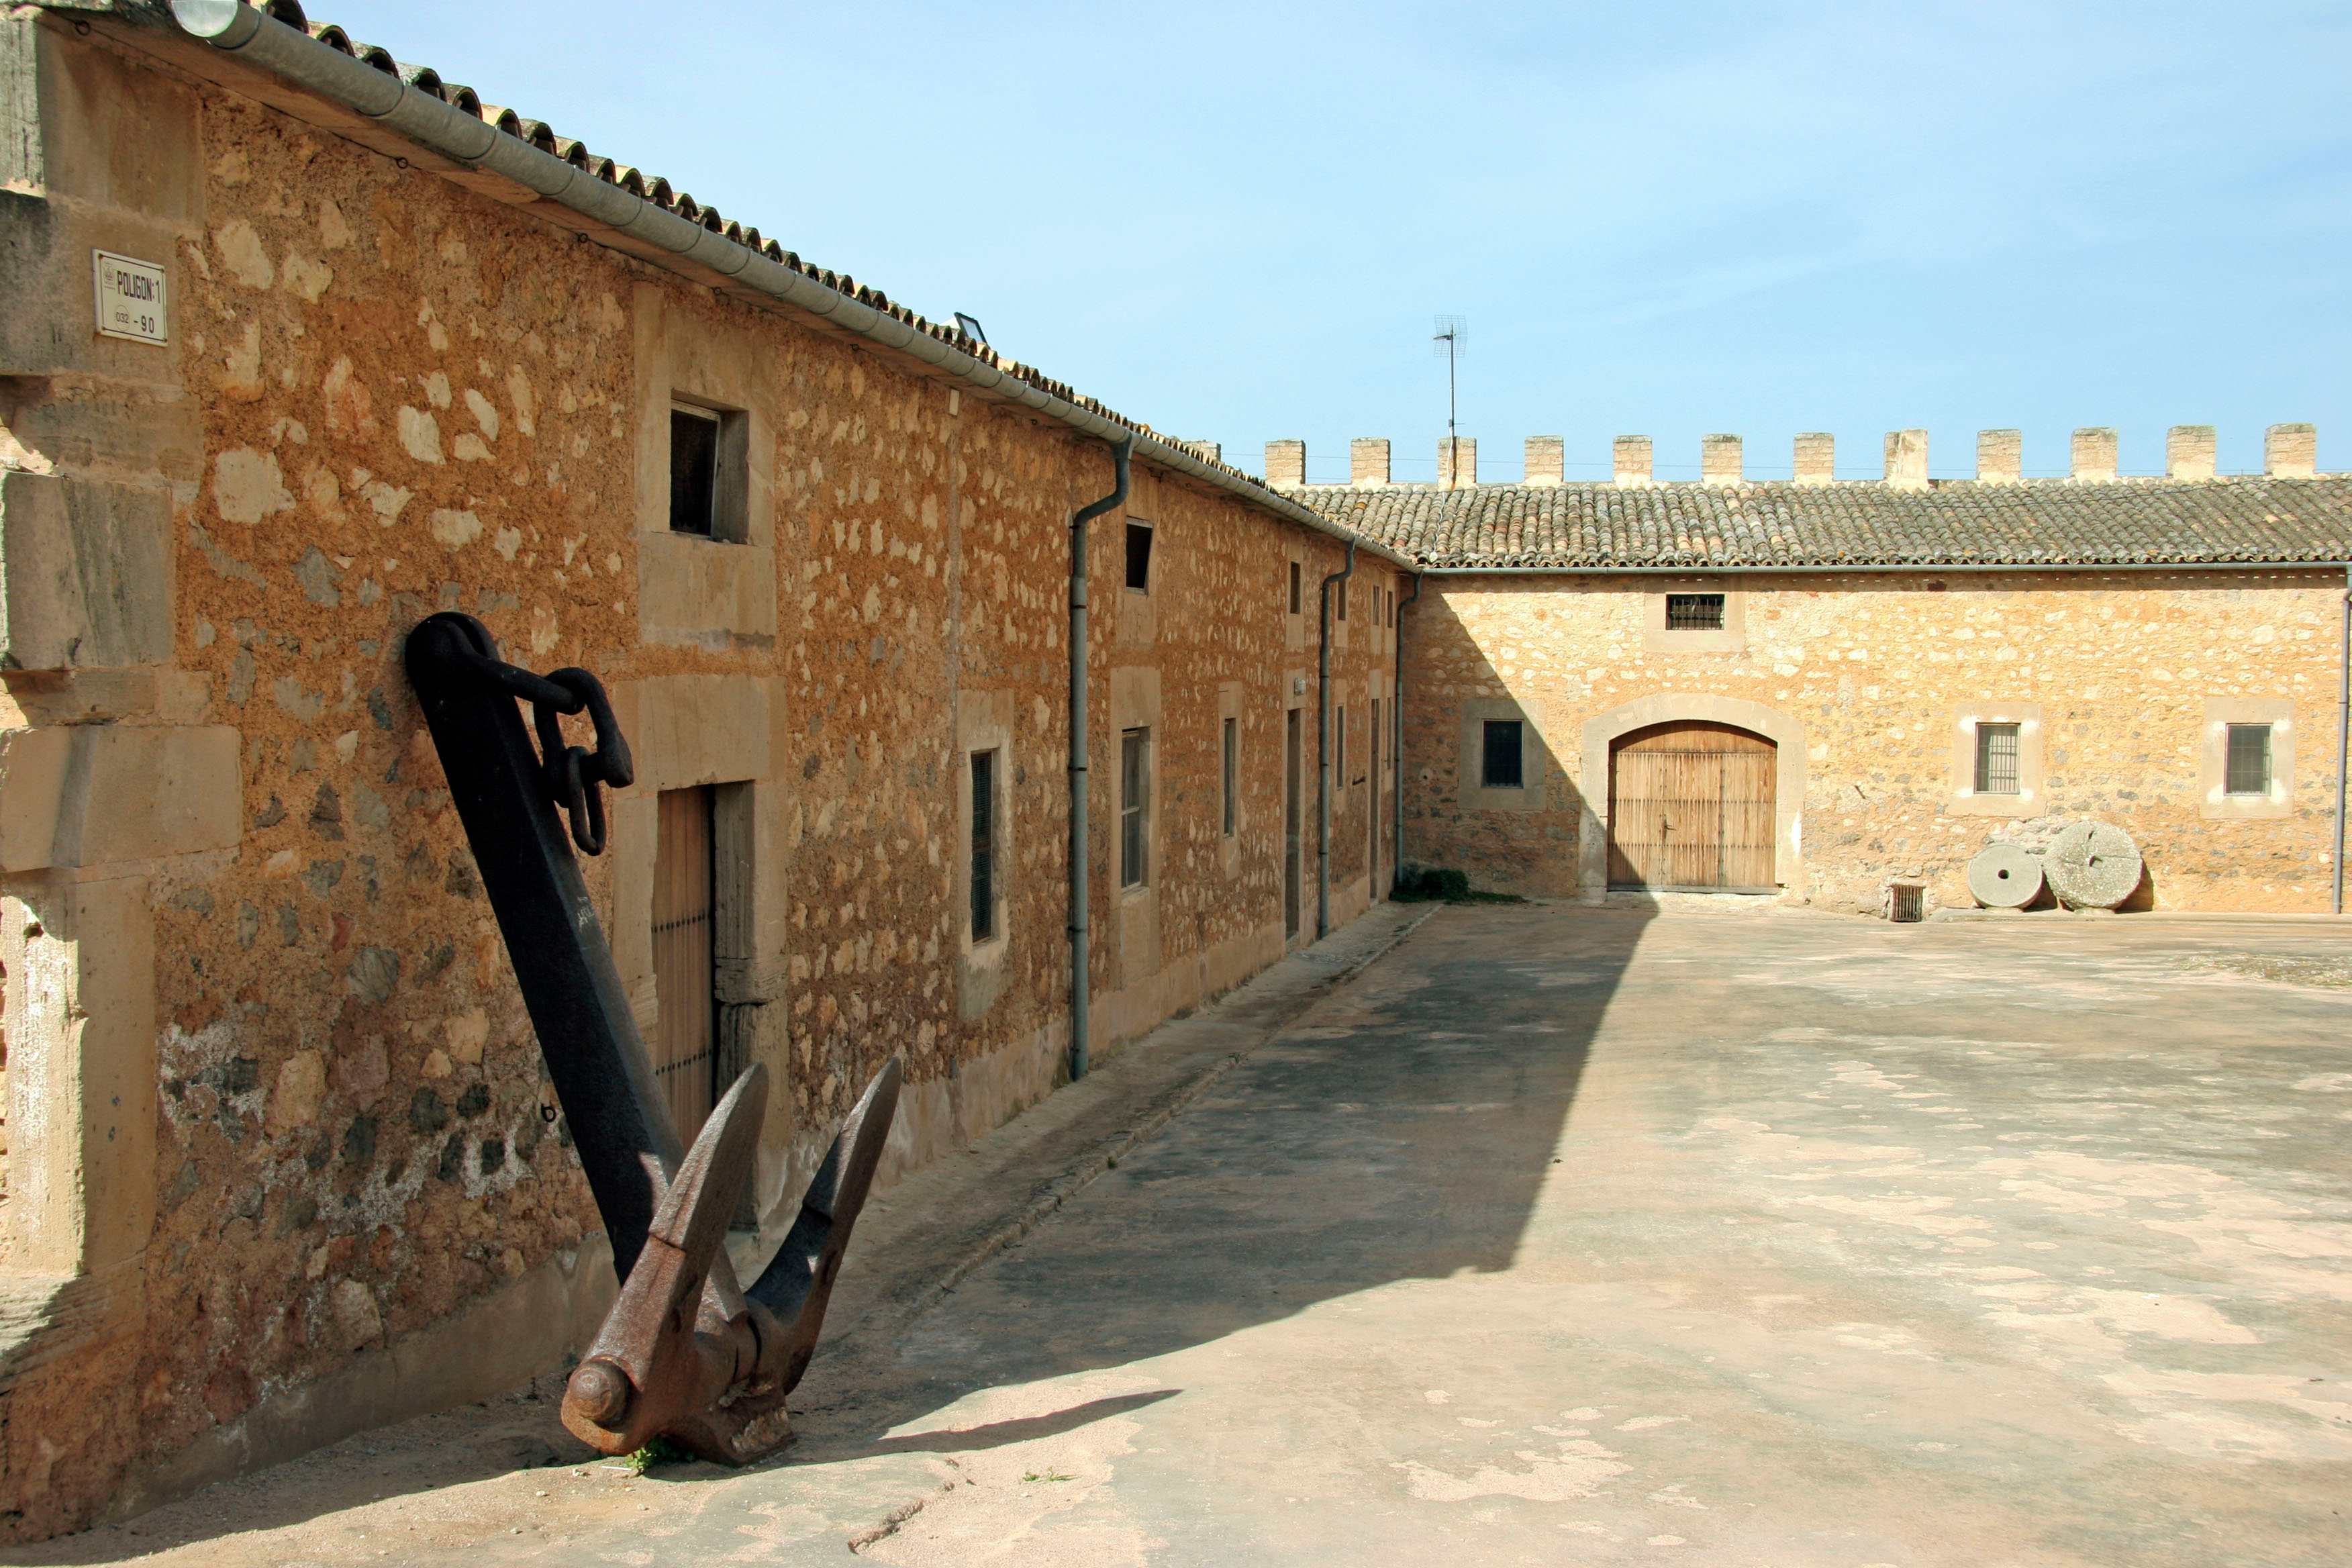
[(2216, 800), (1659, 635), (2031, 795)]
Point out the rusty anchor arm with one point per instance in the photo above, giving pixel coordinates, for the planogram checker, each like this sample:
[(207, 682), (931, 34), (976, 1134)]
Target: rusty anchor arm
[(685, 1353)]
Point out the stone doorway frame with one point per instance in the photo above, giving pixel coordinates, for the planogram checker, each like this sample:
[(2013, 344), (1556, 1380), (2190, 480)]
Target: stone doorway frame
[(1602, 731)]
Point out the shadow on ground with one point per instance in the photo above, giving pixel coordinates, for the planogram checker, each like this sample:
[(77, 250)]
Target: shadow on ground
[(1337, 1163), (1401, 1130)]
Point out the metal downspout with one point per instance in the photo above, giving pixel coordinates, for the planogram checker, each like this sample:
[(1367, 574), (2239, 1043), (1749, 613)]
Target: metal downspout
[(2343, 736), (1396, 751), (1323, 755), (1081, 955)]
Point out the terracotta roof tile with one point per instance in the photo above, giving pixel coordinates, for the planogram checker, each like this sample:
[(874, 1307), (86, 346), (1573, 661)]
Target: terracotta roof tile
[(659, 192), (1949, 523)]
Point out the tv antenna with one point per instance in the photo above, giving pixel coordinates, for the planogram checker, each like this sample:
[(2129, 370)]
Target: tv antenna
[(1452, 336)]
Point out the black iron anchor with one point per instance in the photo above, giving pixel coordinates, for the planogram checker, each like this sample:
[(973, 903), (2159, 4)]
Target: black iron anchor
[(685, 1353)]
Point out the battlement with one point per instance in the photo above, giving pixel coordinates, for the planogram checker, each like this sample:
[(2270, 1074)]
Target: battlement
[(2289, 452)]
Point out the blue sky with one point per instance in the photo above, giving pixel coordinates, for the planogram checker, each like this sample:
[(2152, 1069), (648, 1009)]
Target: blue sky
[(1237, 222)]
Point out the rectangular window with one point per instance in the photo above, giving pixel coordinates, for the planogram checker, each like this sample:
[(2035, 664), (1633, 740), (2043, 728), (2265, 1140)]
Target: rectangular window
[(1138, 556), (1502, 767), (1233, 775), (1339, 749), (983, 845), (1694, 612), (1293, 587), (1996, 759), (2249, 769), (693, 470), (1342, 586), (1134, 804)]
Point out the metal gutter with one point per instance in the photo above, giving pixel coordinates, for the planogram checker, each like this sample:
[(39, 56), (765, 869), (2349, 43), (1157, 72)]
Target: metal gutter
[(260, 40), (1081, 866), (1744, 570)]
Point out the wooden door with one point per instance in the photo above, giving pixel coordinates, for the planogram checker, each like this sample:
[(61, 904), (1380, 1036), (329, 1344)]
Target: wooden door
[(685, 1061), (1691, 806)]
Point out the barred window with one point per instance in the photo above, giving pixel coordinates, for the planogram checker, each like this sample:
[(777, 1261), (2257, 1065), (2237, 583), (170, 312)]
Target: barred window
[(1134, 804), (983, 845), (1997, 759), (1502, 764), (2249, 768), (1694, 612)]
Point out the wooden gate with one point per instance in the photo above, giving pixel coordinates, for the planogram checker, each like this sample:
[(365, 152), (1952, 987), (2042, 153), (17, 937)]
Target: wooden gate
[(1690, 805), (685, 899)]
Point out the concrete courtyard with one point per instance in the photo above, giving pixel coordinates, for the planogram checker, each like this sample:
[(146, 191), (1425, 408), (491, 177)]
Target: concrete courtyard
[(1568, 1236)]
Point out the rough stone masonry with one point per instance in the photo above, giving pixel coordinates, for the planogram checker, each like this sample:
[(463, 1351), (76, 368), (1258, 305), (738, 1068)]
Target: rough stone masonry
[(281, 1161)]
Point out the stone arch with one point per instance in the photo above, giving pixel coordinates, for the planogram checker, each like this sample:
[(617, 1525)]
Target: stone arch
[(1786, 733)]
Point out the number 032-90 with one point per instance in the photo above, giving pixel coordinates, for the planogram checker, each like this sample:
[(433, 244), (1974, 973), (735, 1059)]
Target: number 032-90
[(131, 298)]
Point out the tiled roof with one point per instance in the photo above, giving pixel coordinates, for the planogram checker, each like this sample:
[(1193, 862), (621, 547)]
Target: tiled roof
[(659, 190), (1949, 523)]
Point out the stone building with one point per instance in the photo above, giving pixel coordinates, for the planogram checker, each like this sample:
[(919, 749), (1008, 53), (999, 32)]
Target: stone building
[(1812, 687), (302, 344)]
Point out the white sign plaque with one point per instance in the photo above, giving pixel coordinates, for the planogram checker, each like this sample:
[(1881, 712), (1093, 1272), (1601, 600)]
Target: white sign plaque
[(129, 298)]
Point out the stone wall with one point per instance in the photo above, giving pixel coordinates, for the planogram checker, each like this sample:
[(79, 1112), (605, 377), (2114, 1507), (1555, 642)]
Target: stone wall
[(326, 1190), (2122, 678)]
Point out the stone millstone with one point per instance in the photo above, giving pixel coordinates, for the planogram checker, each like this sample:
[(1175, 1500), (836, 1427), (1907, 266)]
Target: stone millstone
[(2005, 878), (2092, 866)]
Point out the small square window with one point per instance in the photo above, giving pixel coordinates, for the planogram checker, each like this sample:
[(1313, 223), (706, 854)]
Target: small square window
[(1997, 759), (2249, 769), (693, 470), (1294, 578), (1134, 804), (983, 845), (1503, 765), (1138, 556), (1694, 612)]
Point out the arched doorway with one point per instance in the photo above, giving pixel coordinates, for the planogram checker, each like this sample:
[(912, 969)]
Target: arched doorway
[(1691, 806)]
